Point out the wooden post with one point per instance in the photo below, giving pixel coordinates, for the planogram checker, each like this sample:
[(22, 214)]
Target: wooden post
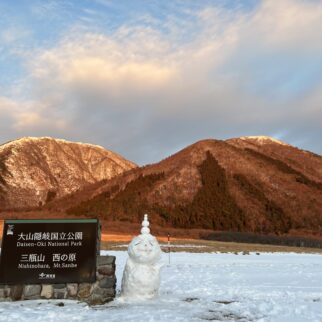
[(169, 247)]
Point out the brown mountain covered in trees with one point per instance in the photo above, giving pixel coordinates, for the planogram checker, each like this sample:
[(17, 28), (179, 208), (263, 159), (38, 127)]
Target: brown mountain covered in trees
[(254, 184), (35, 171)]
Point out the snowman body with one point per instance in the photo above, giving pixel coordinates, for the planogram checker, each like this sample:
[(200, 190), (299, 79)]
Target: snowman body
[(141, 276)]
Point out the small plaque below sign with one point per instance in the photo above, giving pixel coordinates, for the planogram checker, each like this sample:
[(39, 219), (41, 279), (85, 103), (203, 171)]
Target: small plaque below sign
[(49, 251)]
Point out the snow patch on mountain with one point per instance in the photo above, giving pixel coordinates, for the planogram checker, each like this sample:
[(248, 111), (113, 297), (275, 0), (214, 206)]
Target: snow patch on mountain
[(32, 139), (262, 139)]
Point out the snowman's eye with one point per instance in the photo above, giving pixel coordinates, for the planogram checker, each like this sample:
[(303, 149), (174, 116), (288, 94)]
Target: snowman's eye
[(137, 243), (151, 243)]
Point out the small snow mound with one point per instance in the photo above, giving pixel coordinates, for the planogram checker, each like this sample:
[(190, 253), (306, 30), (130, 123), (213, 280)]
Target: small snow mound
[(262, 139)]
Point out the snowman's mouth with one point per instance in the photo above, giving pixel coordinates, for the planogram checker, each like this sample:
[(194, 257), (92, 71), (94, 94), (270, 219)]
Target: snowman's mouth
[(146, 251)]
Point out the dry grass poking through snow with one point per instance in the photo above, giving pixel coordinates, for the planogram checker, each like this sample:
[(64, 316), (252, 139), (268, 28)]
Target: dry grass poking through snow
[(203, 246)]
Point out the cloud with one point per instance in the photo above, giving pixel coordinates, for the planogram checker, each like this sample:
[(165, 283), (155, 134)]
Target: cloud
[(23, 117), (288, 23), (146, 90), (12, 35)]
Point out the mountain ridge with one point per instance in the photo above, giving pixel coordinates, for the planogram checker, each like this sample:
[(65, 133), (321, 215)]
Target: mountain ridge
[(33, 170), (275, 186), (251, 184)]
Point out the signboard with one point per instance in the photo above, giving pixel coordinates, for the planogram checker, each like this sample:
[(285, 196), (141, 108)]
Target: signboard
[(49, 251)]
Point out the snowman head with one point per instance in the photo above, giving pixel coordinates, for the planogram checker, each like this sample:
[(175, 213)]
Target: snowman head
[(144, 248)]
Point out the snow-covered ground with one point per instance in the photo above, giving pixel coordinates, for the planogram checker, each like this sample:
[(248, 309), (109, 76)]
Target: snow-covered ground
[(204, 287)]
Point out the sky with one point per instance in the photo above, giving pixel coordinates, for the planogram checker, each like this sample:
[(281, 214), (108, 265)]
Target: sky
[(147, 78)]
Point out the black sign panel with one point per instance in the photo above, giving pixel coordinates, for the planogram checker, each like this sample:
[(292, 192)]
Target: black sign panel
[(48, 251)]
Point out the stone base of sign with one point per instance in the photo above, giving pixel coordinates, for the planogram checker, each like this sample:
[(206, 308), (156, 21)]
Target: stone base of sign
[(100, 292)]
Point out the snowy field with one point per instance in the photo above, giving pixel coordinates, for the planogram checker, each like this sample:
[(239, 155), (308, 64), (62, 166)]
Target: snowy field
[(204, 287)]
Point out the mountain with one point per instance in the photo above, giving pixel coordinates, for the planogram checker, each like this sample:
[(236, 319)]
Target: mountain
[(255, 184), (34, 171)]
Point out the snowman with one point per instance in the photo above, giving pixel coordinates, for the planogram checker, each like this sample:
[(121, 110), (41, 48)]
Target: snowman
[(141, 276)]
